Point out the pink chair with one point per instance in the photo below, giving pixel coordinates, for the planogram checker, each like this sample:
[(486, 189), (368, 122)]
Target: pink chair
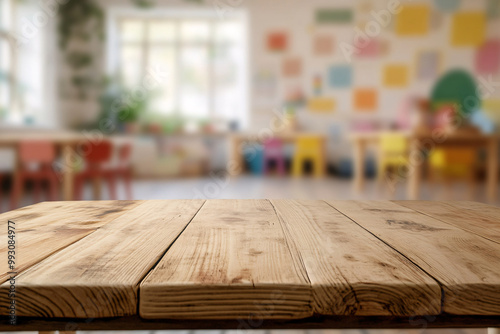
[(273, 151), (35, 160)]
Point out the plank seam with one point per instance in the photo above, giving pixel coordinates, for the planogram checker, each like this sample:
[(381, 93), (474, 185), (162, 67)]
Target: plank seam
[(162, 255), (451, 224), (288, 241), (396, 250)]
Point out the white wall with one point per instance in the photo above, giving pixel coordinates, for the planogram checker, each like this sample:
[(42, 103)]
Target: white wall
[(297, 17)]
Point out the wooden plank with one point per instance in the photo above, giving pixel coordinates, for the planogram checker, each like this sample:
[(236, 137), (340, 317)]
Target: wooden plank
[(466, 265), (232, 261), (99, 275), (45, 228), (478, 218), (351, 271), (77, 214)]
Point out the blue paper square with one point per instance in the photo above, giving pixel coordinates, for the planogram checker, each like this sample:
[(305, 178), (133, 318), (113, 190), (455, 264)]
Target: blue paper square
[(340, 76)]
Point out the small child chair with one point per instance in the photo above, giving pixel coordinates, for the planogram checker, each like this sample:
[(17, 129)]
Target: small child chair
[(309, 148), (254, 158), (393, 153), (96, 156), (7, 167), (122, 169), (35, 164), (273, 151)]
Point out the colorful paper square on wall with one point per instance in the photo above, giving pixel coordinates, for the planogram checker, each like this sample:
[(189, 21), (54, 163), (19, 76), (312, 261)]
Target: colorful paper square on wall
[(493, 9), (292, 67), (428, 65), (492, 105), (370, 48), (323, 45), (413, 20), (488, 57), (321, 104), (468, 29), (396, 76), (365, 99), (340, 76), (334, 15), (447, 5), (277, 41)]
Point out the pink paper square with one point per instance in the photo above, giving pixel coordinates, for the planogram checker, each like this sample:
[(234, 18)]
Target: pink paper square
[(488, 57), (323, 45), (368, 48)]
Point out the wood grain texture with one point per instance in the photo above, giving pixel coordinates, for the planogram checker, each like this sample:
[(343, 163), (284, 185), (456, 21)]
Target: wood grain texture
[(480, 219), (98, 276), (351, 271), (466, 265), (45, 228), (77, 214), (232, 261)]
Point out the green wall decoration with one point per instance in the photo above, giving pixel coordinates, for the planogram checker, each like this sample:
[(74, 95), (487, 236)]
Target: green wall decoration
[(334, 15), (457, 87)]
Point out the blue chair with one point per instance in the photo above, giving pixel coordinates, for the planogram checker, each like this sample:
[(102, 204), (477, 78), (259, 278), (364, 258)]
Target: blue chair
[(254, 158)]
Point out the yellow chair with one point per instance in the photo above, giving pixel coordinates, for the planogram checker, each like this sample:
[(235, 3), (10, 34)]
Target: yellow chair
[(309, 148), (393, 153)]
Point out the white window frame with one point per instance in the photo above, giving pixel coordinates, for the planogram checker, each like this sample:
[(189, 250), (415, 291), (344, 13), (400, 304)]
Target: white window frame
[(116, 15)]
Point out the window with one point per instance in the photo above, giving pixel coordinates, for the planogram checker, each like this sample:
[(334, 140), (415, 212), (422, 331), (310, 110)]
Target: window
[(22, 85), (203, 58), (5, 59)]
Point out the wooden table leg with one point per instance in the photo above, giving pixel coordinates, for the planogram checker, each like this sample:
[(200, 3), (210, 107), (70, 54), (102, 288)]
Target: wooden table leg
[(68, 172), (236, 159), (323, 158), (17, 184), (359, 164), (96, 188), (415, 170), (492, 173)]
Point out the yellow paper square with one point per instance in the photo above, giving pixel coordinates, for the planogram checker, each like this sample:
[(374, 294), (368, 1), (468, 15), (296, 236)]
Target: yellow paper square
[(491, 105), (396, 75), (321, 104), (468, 29), (413, 20)]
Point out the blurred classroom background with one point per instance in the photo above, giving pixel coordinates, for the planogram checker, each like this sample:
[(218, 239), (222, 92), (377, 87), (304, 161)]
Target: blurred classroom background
[(348, 99)]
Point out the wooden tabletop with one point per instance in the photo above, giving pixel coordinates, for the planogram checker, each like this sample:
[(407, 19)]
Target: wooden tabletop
[(278, 261), (455, 137)]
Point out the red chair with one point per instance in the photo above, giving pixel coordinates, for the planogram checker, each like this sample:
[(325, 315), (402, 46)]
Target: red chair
[(7, 166), (123, 169), (35, 164), (96, 155), (273, 151)]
